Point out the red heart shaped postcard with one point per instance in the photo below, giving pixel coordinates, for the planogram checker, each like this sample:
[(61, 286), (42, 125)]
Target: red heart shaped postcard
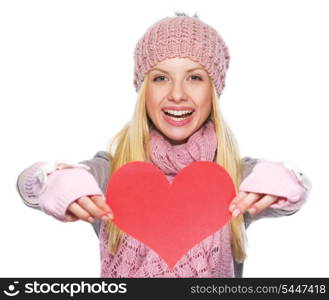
[(170, 218)]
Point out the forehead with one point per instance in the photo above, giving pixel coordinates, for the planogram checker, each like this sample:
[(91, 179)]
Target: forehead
[(177, 63)]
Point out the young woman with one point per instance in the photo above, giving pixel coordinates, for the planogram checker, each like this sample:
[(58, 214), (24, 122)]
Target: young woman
[(180, 69)]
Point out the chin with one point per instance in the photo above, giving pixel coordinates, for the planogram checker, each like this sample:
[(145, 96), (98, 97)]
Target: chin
[(177, 138)]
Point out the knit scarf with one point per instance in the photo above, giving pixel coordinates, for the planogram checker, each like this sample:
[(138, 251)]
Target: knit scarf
[(200, 146)]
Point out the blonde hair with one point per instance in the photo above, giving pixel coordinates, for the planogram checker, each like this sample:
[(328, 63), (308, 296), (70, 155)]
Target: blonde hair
[(132, 144)]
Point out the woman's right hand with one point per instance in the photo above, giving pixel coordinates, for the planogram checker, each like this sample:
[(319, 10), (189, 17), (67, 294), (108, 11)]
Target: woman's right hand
[(88, 208)]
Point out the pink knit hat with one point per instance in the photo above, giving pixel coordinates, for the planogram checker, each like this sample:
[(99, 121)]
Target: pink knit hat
[(182, 36)]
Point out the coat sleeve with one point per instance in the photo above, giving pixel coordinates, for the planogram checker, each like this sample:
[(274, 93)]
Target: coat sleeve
[(282, 179), (63, 185)]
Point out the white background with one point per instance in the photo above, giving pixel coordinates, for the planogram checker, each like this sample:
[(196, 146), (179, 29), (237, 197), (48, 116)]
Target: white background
[(66, 87)]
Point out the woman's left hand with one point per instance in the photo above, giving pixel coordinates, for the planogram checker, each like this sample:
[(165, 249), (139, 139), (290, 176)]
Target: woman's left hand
[(253, 203)]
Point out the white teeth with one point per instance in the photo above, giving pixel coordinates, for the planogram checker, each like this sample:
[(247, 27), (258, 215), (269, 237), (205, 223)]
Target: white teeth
[(177, 119), (178, 112)]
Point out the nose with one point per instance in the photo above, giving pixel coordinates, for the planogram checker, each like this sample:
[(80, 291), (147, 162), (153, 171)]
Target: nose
[(177, 93)]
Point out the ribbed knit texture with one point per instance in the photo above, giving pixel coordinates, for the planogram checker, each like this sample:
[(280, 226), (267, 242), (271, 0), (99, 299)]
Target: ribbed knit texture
[(201, 146), (28, 185), (185, 37), (212, 257)]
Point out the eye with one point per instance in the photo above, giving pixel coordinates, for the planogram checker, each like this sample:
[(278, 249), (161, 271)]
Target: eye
[(155, 78), (197, 76)]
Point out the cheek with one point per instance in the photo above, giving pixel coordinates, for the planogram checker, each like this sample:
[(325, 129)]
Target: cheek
[(152, 101), (205, 106), (152, 106)]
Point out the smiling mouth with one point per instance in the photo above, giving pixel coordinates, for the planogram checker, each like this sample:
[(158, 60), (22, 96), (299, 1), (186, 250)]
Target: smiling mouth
[(178, 117)]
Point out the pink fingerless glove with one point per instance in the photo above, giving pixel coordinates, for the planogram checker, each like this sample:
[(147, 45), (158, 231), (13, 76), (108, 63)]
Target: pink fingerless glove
[(64, 187), (52, 187), (281, 179)]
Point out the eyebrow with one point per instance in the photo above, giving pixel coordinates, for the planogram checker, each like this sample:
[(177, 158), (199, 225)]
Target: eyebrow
[(164, 71)]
